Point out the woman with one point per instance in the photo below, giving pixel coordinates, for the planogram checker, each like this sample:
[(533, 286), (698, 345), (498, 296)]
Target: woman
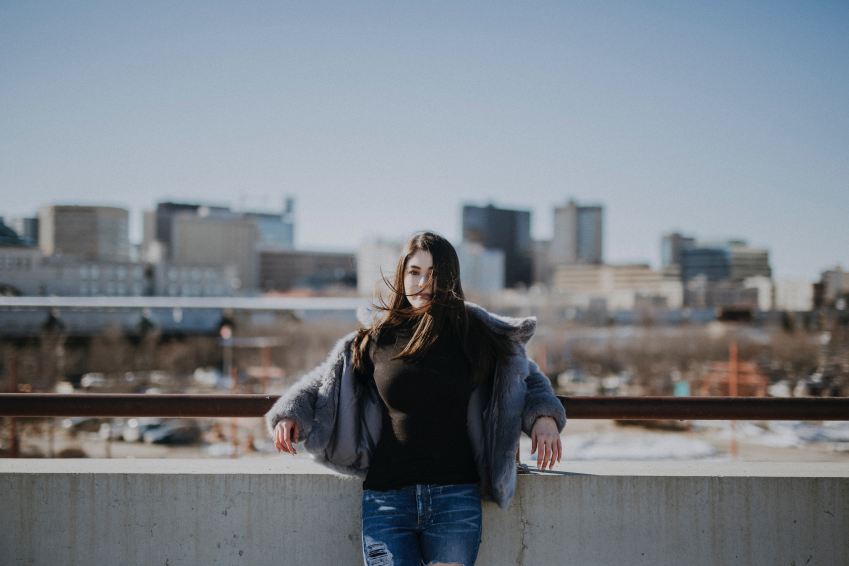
[(427, 405)]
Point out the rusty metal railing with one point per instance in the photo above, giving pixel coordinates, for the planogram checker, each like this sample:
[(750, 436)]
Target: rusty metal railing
[(624, 408)]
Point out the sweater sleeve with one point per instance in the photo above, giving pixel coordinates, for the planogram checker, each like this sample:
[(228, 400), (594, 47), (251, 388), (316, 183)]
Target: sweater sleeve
[(540, 400), (298, 402)]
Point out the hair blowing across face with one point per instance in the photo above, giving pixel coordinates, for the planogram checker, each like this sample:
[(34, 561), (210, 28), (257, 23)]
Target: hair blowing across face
[(446, 312)]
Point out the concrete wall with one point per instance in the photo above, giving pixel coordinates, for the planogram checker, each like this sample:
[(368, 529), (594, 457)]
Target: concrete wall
[(289, 511)]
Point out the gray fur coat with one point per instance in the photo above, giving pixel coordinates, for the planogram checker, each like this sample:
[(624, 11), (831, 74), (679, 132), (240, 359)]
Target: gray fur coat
[(340, 417)]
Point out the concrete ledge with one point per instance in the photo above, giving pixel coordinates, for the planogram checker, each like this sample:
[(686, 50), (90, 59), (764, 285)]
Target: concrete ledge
[(290, 511)]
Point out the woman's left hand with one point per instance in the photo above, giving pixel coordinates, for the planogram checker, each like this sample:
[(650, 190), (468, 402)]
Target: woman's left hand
[(546, 438)]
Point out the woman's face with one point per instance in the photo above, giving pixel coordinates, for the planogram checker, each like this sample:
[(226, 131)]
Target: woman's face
[(417, 272)]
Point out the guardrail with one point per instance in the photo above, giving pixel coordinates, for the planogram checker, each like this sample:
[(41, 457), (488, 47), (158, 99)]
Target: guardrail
[(624, 408)]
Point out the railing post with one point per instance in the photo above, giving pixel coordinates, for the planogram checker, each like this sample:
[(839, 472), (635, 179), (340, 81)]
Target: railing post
[(13, 388)]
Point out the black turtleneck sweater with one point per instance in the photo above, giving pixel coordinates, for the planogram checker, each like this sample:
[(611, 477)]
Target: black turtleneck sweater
[(424, 438)]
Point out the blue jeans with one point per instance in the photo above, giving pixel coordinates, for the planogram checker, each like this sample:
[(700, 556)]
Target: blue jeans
[(422, 523)]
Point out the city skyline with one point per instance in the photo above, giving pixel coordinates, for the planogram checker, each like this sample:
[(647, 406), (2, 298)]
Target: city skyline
[(715, 121), (655, 263)]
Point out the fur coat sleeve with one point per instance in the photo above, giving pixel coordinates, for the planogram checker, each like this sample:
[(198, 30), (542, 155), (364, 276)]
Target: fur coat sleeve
[(540, 400), (299, 401)]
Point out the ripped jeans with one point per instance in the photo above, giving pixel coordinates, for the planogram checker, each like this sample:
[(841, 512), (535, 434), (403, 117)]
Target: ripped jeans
[(422, 524)]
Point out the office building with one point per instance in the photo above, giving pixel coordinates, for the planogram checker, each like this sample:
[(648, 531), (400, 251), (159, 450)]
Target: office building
[(217, 238), (732, 260), (578, 234), (158, 225), (285, 270), (172, 279), (505, 230), (88, 232), (616, 287), (794, 295), (702, 293), (671, 247), (25, 228), (276, 230)]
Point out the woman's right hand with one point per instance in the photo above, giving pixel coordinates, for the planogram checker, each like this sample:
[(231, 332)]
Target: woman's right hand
[(286, 435)]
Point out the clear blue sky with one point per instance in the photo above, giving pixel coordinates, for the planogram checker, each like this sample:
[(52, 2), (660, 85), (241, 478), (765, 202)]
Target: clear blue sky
[(716, 118)]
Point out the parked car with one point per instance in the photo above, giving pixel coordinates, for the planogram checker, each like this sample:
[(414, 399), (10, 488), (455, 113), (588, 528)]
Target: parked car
[(175, 432), (135, 428), (81, 424), (93, 380)]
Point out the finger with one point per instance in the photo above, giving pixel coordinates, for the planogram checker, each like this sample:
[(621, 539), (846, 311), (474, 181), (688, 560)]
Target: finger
[(278, 438), (290, 430), (295, 437), (286, 446), (540, 453), (559, 449), (546, 459), (533, 443)]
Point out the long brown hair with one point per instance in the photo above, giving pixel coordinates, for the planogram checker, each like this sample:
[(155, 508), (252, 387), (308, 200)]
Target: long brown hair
[(446, 312)]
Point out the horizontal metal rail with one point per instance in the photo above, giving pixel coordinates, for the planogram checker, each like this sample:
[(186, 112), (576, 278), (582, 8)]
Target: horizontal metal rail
[(623, 408), (224, 303)]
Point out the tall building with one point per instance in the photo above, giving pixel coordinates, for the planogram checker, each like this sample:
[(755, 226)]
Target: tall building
[(671, 246), (218, 239), (276, 230), (88, 232), (578, 234), (711, 263), (26, 228), (158, 226), (726, 261), (505, 230), (10, 237)]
